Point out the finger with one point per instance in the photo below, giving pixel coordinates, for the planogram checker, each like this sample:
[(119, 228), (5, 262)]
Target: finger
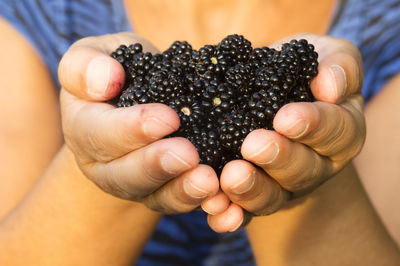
[(340, 71), (216, 204), (339, 76), (88, 71), (228, 221), (107, 132), (251, 188), (293, 165), (336, 131), (141, 172), (186, 192)]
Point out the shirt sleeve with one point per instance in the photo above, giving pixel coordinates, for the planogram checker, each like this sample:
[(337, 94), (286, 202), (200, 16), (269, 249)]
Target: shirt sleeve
[(374, 27), (52, 26)]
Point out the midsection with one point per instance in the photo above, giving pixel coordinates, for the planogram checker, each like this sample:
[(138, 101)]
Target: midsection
[(207, 21)]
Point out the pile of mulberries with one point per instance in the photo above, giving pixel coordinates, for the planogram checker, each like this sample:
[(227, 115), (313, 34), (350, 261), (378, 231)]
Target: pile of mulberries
[(221, 92)]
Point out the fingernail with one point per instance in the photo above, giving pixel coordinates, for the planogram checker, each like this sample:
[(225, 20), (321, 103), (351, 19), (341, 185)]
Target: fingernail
[(193, 190), (340, 80), (207, 211), (98, 76), (237, 226), (266, 155), (298, 129), (245, 185), (155, 128), (173, 164)]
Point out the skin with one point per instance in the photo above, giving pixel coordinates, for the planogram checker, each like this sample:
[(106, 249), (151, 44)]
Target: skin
[(106, 152), (319, 230), (208, 21), (59, 226), (42, 222), (33, 136), (357, 222), (133, 161), (285, 155), (377, 162), (80, 102), (200, 28), (266, 17)]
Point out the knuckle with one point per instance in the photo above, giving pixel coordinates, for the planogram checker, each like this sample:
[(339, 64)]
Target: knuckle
[(112, 186), (159, 202), (97, 147), (151, 202), (360, 133), (335, 137), (309, 175), (266, 211), (271, 206), (152, 168), (354, 134)]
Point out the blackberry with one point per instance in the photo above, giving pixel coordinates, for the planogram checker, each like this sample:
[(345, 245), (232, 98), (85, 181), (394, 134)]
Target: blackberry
[(236, 48), (177, 50), (226, 157), (189, 111), (123, 54), (307, 56), (240, 76), (138, 93), (217, 100), (220, 92), (139, 66), (233, 128), (301, 94), (263, 106), (259, 57), (210, 58), (178, 55), (208, 145), (120, 54), (273, 78), (165, 86)]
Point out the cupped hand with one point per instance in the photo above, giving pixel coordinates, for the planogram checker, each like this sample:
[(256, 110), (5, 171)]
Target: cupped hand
[(311, 142), (123, 150)]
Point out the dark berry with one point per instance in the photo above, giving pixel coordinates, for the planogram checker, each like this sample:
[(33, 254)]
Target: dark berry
[(189, 111), (221, 92)]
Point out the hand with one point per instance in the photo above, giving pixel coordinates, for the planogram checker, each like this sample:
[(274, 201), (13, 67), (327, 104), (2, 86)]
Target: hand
[(310, 144), (121, 149)]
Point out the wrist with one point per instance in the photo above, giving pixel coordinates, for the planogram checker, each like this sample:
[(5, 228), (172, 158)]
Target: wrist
[(79, 222), (335, 221), (78, 178)]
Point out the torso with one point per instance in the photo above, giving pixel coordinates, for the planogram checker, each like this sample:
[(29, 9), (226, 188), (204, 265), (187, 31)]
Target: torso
[(208, 21), (360, 22)]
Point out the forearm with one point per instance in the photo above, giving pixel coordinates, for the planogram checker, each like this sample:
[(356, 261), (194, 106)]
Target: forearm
[(378, 162), (67, 220), (335, 225)]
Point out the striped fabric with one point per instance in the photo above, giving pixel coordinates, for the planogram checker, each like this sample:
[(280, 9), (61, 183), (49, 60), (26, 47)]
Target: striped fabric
[(52, 26), (374, 27), (186, 239)]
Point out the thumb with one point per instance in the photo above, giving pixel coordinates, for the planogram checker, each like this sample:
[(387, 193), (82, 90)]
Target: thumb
[(89, 72)]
